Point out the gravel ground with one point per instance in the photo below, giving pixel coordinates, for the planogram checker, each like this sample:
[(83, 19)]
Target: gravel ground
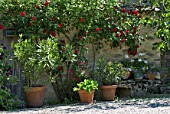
[(133, 106)]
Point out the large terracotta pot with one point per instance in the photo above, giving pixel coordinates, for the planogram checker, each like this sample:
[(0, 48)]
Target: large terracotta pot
[(35, 96), (108, 92), (86, 97)]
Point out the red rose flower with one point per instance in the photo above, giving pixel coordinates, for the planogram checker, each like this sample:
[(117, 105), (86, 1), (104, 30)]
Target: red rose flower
[(76, 51), (129, 12), (60, 68), (97, 29), (46, 31), (53, 19), (46, 3), (84, 33), (115, 30), (108, 28), (137, 46), (30, 24), (63, 41), (117, 35), (60, 25), (121, 33), (80, 37), (81, 20), (140, 16), (135, 12), (127, 32), (134, 28), (134, 52), (22, 14), (123, 40), (129, 52), (123, 10), (34, 18), (38, 7), (1, 26), (115, 7), (53, 34)]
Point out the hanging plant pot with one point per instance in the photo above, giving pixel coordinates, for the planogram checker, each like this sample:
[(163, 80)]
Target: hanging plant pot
[(35, 96), (108, 92), (86, 97), (138, 75)]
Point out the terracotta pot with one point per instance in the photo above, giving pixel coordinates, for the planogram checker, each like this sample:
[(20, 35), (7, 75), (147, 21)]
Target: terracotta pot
[(151, 76), (108, 92), (86, 97), (35, 96)]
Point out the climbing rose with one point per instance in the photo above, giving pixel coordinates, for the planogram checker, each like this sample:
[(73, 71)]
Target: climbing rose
[(115, 30), (127, 32), (53, 19), (76, 51), (38, 7), (81, 20), (60, 68), (117, 35), (123, 10), (34, 18), (80, 37), (1, 26), (46, 3), (60, 25), (123, 40), (129, 12), (30, 24), (22, 14), (134, 52), (135, 12), (137, 46), (97, 29)]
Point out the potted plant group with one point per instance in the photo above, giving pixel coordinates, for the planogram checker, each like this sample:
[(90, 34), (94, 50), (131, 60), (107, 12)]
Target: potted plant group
[(152, 72), (25, 55), (108, 76), (86, 90)]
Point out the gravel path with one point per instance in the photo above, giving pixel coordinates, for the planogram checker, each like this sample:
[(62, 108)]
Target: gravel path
[(133, 106)]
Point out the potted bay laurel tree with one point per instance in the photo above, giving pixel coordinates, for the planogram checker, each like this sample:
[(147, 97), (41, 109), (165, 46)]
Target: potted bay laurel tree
[(86, 90), (25, 55), (108, 76)]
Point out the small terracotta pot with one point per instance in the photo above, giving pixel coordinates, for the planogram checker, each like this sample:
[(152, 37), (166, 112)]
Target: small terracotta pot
[(108, 92), (35, 96), (86, 97), (151, 76)]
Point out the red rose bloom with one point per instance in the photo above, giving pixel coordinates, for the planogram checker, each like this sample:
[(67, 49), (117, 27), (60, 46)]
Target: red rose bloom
[(134, 28), (108, 28), (34, 18), (53, 34), (123, 10), (129, 12), (115, 30), (123, 40), (137, 46), (60, 25), (38, 7), (53, 19), (97, 29), (81, 20), (134, 52), (117, 35), (135, 12), (80, 37), (46, 3), (127, 32), (30, 24), (140, 16), (76, 51), (63, 41), (129, 52), (22, 14), (84, 33), (60, 68), (1, 26), (115, 7)]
